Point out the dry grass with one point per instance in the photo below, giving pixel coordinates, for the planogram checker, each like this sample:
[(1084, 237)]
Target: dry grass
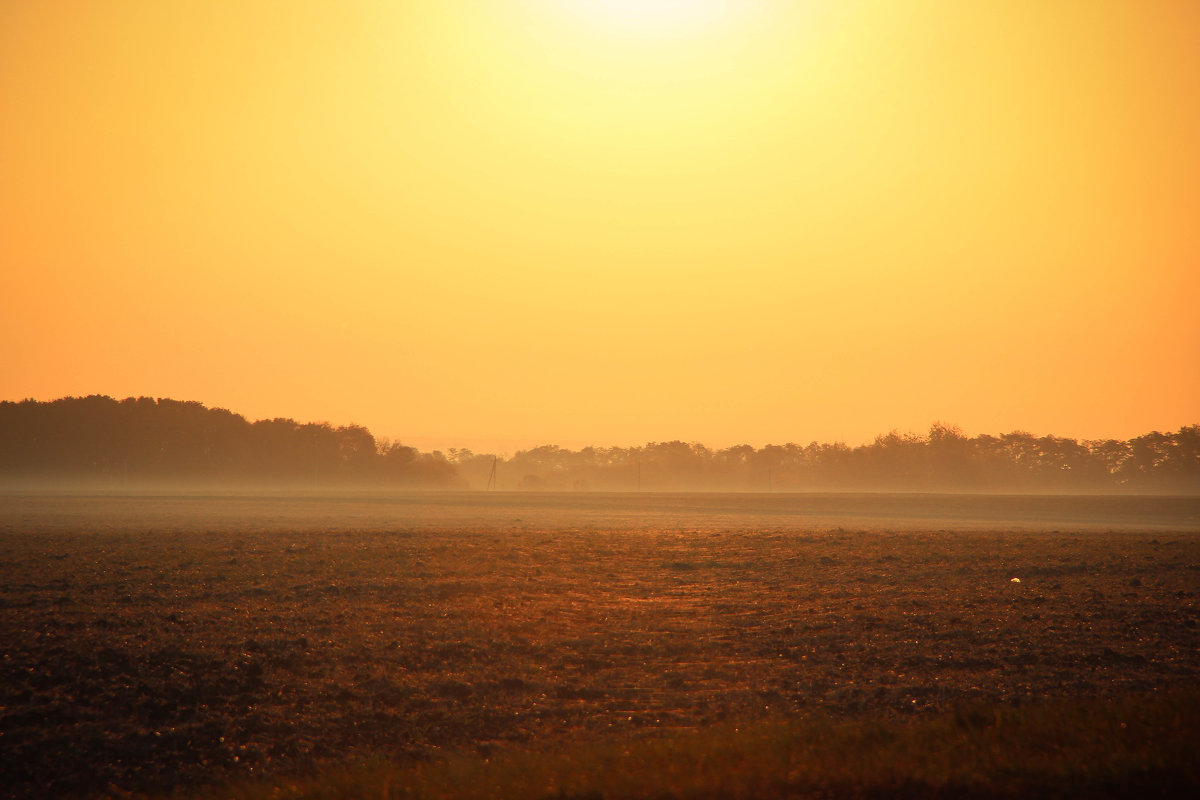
[(1135, 747)]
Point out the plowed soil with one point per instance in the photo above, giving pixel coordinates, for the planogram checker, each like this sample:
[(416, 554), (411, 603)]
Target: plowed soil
[(139, 656)]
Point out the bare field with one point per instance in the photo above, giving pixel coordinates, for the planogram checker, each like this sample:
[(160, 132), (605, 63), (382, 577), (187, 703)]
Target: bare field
[(158, 642)]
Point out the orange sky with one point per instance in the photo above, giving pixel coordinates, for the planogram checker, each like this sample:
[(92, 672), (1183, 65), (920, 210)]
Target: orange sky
[(523, 221)]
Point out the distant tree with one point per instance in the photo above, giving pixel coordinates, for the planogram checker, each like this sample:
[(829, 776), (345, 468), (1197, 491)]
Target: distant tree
[(143, 440), (1110, 456)]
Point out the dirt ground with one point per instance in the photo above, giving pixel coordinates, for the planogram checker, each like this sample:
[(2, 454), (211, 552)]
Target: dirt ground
[(139, 659)]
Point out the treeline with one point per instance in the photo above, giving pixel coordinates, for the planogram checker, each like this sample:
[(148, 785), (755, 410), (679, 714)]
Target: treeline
[(146, 442), (944, 460)]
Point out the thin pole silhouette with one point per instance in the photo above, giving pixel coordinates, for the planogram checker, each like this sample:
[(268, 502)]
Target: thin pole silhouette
[(491, 484)]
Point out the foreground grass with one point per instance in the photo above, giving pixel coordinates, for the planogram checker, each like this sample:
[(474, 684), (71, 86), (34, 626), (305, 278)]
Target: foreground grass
[(1130, 747)]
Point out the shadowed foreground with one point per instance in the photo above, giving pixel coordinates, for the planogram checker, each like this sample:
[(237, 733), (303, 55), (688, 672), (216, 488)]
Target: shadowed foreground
[(144, 660), (1135, 747)]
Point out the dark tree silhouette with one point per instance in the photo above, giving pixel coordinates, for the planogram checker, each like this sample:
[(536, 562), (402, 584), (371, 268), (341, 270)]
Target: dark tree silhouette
[(144, 441)]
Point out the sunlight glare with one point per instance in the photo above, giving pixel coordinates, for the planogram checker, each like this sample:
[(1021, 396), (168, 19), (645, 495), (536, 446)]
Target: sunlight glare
[(651, 18)]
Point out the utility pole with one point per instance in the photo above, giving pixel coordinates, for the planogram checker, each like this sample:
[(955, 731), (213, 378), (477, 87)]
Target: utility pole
[(491, 484)]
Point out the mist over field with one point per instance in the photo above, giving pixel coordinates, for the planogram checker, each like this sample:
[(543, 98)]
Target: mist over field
[(282, 513)]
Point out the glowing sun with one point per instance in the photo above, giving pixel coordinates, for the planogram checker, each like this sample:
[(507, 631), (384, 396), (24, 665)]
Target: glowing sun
[(651, 17)]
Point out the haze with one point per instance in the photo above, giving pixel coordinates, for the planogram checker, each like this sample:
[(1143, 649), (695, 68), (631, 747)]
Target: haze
[(530, 222)]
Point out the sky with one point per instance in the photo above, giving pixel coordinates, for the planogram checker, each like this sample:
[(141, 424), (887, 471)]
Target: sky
[(503, 223)]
